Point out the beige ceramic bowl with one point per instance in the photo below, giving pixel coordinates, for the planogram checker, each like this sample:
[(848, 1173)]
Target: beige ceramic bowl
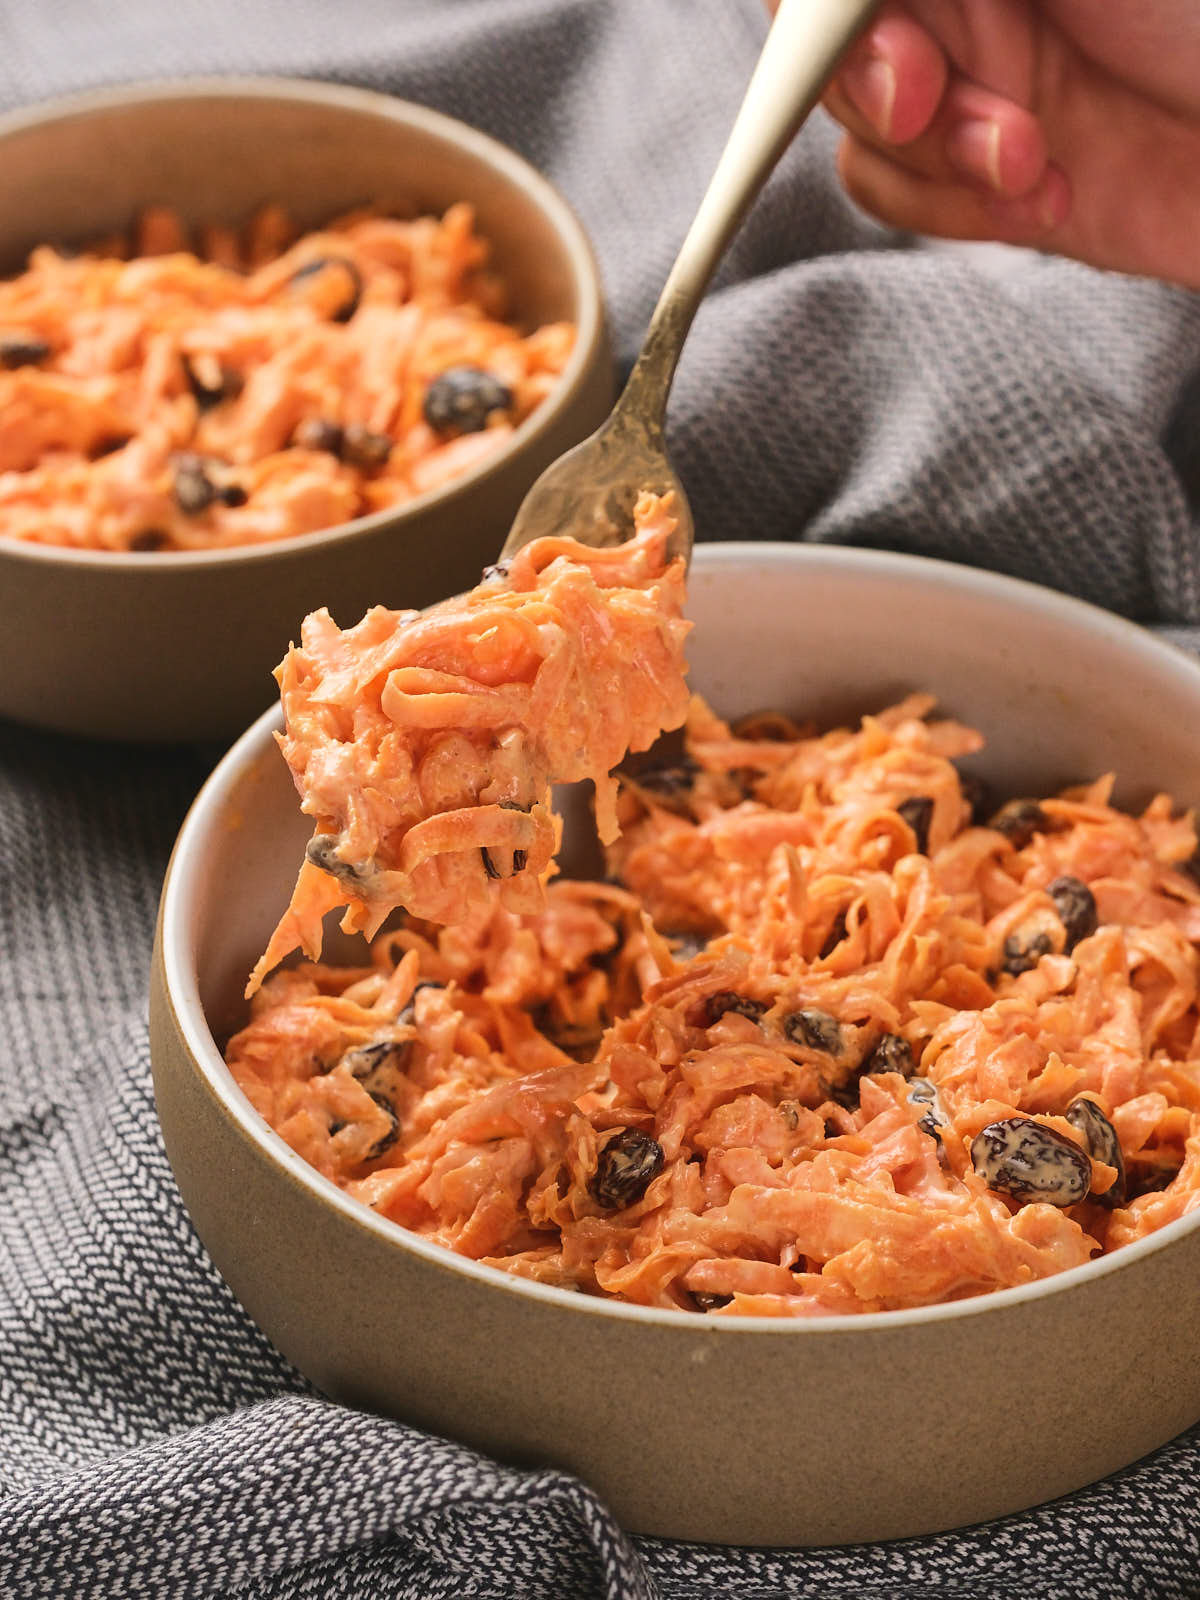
[(757, 1431), (181, 645)]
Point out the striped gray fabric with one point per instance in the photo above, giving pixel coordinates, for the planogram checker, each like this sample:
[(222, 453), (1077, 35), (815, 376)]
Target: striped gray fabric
[(841, 384)]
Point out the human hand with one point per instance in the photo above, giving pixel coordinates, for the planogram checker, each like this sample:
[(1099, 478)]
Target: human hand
[(1069, 125)]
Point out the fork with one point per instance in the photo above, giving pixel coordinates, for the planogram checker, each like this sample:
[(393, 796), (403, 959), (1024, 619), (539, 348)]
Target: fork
[(590, 491)]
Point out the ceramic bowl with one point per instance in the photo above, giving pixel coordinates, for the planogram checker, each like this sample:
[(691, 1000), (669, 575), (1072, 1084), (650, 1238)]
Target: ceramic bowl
[(759, 1431), (181, 645)]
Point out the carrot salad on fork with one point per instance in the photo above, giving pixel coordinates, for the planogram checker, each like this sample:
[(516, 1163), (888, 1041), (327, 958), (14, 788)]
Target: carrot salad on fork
[(424, 744)]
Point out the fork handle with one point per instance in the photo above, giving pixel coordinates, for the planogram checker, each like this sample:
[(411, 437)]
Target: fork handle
[(802, 48)]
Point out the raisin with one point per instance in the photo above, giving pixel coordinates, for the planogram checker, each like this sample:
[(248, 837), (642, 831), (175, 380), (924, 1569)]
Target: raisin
[(837, 932), (921, 1092), (668, 781), (892, 1053), (848, 1092), (388, 1139), (917, 811), (975, 794), (209, 381), (627, 1166), (815, 1030), (1022, 955), (364, 1061), (1076, 908), (409, 1015), (108, 445), (18, 352), (348, 305), (789, 1110), (1100, 1137), (321, 850), (725, 1000), (667, 786), (579, 1040), (194, 489), (709, 1302), (1028, 1161), (930, 1125), (232, 494), (1148, 1180), (1019, 820), (377, 1067), (462, 399), (363, 448), (318, 433), (519, 857), (147, 539)]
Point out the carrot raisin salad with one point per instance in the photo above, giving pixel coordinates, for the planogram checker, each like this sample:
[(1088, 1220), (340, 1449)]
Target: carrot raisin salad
[(825, 1041), (167, 393), (424, 744)]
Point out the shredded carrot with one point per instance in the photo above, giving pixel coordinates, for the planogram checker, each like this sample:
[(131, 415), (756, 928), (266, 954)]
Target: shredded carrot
[(752, 1073), (424, 744), (156, 399)]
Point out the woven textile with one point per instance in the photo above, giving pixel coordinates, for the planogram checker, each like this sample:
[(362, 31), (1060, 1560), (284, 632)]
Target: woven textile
[(840, 384)]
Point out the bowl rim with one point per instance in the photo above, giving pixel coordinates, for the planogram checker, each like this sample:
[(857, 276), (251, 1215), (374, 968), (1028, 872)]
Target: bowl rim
[(590, 322), (182, 998)]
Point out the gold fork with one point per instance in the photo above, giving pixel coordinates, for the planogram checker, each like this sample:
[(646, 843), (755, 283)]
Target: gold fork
[(590, 491)]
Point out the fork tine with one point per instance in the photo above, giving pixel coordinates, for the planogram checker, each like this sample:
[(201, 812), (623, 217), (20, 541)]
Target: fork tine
[(590, 492)]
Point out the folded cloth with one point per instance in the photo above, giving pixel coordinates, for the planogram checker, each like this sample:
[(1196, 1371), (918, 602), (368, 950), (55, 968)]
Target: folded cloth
[(841, 384)]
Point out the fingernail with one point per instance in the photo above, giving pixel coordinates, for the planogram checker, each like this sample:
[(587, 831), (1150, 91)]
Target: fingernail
[(1047, 207), (1054, 202), (871, 85), (974, 148)]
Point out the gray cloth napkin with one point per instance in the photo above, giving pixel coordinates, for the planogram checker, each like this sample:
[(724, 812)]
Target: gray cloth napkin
[(841, 384)]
